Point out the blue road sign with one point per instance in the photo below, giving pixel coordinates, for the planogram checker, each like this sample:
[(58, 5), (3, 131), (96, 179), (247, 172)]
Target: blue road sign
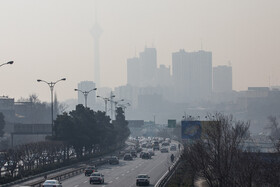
[(191, 130)]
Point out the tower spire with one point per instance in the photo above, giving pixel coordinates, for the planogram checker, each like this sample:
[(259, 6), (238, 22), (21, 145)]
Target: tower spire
[(96, 32)]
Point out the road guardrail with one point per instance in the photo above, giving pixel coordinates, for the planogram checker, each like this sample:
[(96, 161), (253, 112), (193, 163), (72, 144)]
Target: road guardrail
[(169, 173)]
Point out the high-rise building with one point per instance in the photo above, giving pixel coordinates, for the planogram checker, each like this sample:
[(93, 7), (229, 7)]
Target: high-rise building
[(148, 66), (141, 71), (192, 75), (91, 98), (163, 77), (133, 71), (222, 79)]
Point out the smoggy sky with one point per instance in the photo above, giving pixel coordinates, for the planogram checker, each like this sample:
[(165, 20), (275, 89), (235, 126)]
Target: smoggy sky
[(50, 39)]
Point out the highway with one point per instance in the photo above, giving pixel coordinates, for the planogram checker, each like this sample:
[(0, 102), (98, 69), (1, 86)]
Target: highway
[(124, 174)]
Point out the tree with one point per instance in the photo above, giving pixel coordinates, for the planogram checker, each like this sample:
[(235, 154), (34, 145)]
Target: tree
[(2, 124), (215, 155), (121, 125), (86, 130)]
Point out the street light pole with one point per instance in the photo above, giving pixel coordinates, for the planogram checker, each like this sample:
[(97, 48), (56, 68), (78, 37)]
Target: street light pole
[(115, 104), (111, 101), (51, 85), (10, 62), (124, 106), (105, 100), (85, 93)]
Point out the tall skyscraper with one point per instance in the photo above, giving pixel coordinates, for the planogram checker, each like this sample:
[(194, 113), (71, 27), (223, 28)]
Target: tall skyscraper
[(133, 71), (148, 66), (91, 98), (96, 32), (192, 75), (141, 71), (222, 79), (163, 77)]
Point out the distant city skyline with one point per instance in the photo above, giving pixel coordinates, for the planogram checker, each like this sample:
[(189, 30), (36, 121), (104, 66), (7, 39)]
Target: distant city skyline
[(49, 40)]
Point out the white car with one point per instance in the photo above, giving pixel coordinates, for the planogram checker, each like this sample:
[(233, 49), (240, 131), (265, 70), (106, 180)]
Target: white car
[(142, 179), (96, 177), (52, 183), (164, 150), (152, 153)]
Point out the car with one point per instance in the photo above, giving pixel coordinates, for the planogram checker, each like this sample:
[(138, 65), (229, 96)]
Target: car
[(96, 177), (173, 148), (164, 150), (89, 170), (146, 155), (144, 145), (133, 153), (165, 143), (127, 157), (152, 153), (168, 140), (142, 179), (113, 160), (156, 145), (52, 183), (141, 153)]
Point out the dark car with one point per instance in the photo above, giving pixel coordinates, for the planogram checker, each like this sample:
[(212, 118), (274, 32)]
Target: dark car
[(89, 170), (142, 179), (173, 147), (146, 155), (127, 157), (113, 160), (165, 144), (141, 153), (133, 153)]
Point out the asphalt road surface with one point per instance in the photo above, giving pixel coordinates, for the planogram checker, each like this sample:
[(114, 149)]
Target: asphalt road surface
[(124, 174)]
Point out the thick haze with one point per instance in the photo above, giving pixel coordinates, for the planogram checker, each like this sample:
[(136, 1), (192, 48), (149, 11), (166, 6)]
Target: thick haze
[(51, 39)]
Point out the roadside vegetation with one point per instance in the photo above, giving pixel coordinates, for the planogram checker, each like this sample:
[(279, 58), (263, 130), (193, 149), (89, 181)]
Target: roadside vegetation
[(78, 136), (221, 158)]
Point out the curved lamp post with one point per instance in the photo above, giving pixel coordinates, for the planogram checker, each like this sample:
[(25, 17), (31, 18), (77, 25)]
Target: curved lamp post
[(124, 106), (115, 105), (10, 62), (51, 85), (85, 93), (106, 99)]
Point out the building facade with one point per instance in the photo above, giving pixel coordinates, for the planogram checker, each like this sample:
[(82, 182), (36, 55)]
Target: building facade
[(141, 72), (91, 98), (192, 75), (222, 79)]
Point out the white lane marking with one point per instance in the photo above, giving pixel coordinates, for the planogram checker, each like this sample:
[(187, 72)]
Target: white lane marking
[(110, 182), (123, 174), (103, 186), (117, 178), (85, 182), (76, 186), (132, 169), (127, 172)]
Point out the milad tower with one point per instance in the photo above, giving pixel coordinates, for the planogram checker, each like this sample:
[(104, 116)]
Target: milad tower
[(96, 32)]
